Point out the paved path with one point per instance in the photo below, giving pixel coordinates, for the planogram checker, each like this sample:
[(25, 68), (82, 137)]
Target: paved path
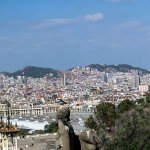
[(44, 142)]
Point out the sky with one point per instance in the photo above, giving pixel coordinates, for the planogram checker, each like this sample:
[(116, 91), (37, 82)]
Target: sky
[(62, 34)]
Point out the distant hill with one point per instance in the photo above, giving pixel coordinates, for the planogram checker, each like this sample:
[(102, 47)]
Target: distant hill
[(6, 73), (118, 68), (39, 72), (35, 72)]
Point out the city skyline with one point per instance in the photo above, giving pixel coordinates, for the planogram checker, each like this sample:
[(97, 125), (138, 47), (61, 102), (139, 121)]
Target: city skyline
[(64, 34)]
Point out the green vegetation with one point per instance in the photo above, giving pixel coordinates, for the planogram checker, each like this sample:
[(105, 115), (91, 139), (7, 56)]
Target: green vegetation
[(91, 123), (51, 128), (132, 130), (105, 114), (125, 127), (35, 72), (39, 72), (126, 105), (23, 132)]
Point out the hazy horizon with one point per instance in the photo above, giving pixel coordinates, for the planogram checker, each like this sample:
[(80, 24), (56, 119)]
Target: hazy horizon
[(62, 69), (65, 34)]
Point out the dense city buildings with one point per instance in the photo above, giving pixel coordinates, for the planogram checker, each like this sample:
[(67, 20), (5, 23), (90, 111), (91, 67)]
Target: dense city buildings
[(81, 88), (34, 101)]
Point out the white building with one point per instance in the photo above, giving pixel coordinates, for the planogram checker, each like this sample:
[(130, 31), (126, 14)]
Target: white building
[(144, 88)]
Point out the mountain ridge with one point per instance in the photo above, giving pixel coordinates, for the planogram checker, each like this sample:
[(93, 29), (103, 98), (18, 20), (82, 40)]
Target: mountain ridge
[(32, 71), (39, 72), (118, 68)]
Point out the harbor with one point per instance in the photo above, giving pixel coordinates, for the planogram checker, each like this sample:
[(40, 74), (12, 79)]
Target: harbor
[(38, 122)]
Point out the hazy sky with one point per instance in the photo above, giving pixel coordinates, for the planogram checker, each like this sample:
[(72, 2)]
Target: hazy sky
[(65, 33)]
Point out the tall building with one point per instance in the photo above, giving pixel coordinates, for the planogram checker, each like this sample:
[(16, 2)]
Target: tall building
[(64, 79), (106, 77), (134, 82)]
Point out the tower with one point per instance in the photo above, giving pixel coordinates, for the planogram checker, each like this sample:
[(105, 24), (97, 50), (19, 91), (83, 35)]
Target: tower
[(8, 133), (64, 79)]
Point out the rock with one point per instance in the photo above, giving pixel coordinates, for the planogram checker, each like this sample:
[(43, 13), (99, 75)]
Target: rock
[(66, 139)]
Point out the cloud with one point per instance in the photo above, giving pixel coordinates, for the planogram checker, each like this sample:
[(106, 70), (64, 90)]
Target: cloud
[(119, 0), (55, 22), (64, 21), (131, 24), (94, 17)]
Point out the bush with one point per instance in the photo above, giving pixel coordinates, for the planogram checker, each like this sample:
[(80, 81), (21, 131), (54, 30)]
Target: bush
[(51, 128)]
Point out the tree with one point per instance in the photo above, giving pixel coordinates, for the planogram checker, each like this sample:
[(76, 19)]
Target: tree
[(132, 130), (23, 132), (140, 101), (126, 105), (105, 115), (91, 123), (52, 128), (147, 98)]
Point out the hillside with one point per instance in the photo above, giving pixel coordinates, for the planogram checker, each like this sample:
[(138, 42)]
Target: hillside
[(39, 72), (35, 72), (118, 68)]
